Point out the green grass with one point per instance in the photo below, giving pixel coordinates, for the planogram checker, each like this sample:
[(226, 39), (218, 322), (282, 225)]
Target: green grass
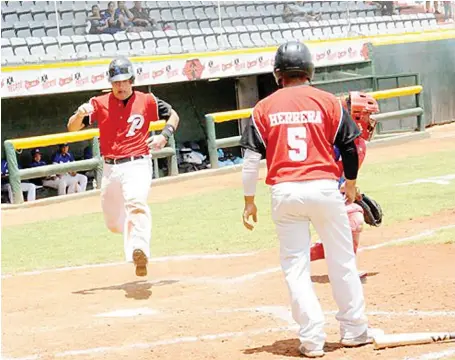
[(211, 222)]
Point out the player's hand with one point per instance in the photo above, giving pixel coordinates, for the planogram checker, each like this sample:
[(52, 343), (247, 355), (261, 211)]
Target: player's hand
[(358, 194), (249, 210), (85, 109), (350, 191), (156, 142)]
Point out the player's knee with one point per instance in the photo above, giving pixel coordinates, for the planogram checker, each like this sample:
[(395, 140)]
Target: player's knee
[(114, 227)]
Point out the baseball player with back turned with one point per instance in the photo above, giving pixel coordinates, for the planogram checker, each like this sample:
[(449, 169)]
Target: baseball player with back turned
[(295, 129), (123, 118)]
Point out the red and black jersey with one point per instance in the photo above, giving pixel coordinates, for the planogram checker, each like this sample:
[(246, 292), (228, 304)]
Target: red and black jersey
[(124, 124), (296, 128)]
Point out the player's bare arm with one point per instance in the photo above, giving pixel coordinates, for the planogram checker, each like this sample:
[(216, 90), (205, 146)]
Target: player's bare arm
[(254, 151)]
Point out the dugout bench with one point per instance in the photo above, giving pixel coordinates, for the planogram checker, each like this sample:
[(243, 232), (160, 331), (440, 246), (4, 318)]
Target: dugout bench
[(95, 163)]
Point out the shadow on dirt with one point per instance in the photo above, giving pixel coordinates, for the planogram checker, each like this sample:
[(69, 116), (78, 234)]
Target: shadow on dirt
[(138, 290), (289, 348)]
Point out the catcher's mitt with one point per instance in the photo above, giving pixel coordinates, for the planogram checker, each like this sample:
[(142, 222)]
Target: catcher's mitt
[(372, 211)]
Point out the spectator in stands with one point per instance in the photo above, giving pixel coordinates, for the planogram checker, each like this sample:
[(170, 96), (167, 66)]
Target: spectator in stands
[(141, 17), (435, 7), (96, 23), (295, 13), (124, 16), (109, 15), (53, 181), (27, 187), (386, 7), (448, 14), (72, 178)]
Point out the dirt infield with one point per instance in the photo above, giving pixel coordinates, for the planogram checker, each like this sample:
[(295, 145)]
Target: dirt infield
[(230, 307)]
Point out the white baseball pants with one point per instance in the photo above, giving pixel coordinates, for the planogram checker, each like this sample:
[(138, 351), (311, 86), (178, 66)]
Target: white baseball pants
[(294, 206), (29, 188), (56, 183), (76, 183), (124, 191)]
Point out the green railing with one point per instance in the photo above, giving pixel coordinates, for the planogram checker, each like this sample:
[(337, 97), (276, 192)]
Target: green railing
[(16, 175), (212, 119)]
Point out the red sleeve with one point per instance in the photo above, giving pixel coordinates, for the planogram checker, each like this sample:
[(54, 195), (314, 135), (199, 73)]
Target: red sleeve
[(259, 123), (93, 116), (152, 107)]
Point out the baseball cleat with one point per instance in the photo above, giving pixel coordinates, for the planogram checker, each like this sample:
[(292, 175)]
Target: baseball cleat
[(311, 353), (140, 260), (362, 274), (364, 339)]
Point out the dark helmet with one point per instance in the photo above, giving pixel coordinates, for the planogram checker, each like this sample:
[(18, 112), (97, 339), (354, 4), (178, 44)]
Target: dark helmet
[(121, 69), (293, 57)]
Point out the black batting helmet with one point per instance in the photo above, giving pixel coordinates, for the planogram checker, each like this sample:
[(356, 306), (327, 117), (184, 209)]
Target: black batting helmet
[(121, 69), (293, 57)]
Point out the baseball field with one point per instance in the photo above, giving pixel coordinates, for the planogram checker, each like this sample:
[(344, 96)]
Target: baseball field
[(215, 290)]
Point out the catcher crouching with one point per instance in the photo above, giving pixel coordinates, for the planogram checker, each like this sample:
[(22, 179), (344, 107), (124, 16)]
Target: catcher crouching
[(364, 209)]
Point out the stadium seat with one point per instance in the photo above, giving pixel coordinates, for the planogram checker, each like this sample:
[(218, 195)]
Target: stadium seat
[(196, 26)]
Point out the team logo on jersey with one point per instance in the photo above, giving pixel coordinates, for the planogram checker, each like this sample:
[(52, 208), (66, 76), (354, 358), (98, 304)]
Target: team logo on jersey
[(193, 69), (136, 121)]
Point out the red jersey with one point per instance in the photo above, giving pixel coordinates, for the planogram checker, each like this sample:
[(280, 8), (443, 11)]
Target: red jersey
[(124, 125), (298, 126)]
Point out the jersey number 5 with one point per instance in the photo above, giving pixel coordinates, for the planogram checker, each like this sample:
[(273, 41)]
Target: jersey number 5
[(136, 121), (297, 143)]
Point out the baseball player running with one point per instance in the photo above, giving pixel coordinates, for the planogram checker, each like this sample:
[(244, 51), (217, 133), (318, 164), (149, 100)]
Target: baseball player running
[(123, 118), (360, 106), (295, 129)]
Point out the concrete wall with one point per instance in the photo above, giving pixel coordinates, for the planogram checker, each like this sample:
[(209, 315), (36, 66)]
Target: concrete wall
[(435, 61)]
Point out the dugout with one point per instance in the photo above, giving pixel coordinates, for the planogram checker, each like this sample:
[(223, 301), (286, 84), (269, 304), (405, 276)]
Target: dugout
[(48, 114)]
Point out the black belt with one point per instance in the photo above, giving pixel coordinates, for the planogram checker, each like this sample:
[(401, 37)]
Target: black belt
[(122, 160)]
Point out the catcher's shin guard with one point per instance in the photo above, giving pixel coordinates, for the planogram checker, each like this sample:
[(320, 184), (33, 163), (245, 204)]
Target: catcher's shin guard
[(356, 221), (355, 215)]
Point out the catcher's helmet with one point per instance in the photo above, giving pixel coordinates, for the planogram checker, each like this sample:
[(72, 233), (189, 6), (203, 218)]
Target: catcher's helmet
[(361, 106), (121, 69), (293, 57)]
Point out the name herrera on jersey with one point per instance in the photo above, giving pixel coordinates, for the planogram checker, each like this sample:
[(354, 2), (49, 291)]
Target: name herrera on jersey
[(298, 117)]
